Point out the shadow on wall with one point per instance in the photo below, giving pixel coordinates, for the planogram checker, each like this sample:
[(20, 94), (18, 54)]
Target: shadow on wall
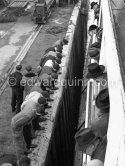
[(61, 147)]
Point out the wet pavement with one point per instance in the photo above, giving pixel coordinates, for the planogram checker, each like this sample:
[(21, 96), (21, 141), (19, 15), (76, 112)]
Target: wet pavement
[(12, 39)]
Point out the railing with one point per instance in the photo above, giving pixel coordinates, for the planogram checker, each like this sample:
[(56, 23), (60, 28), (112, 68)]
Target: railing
[(92, 90), (115, 153)]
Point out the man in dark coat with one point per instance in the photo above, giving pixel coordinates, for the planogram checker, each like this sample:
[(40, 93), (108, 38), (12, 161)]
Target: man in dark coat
[(17, 89), (92, 145)]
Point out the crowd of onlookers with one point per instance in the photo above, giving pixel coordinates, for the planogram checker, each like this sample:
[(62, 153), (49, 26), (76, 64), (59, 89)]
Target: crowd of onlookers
[(30, 97), (93, 139)]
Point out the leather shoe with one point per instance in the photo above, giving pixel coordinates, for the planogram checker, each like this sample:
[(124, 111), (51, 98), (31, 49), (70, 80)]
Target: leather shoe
[(51, 92), (34, 137), (42, 119), (49, 99), (28, 151), (40, 128), (48, 106), (33, 146)]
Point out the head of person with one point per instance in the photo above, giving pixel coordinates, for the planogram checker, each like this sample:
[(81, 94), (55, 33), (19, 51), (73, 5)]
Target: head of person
[(94, 5), (18, 67), (65, 41), (54, 79), (59, 48), (102, 101), (45, 94), (95, 71), (93, 29), (95, 45), (40, 105), (59, 55), (58, 61), (94, 53), (24, 161), (45, 81), (29, 68), (54, 76), (56, 67), (86, 141)]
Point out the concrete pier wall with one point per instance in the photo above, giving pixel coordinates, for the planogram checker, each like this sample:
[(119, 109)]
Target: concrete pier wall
[(65, 117)]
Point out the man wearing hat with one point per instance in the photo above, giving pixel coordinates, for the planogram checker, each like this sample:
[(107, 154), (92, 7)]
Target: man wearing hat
[(97, 72), (51, 55), (50, 67), (100, 124), (96, 8), (29, 111), (95, 45), (48, 82), (61, 42), (17, 89), (29, 130), (93, 29), (55, 49), (94, 53), (89, 143), (94, 5)]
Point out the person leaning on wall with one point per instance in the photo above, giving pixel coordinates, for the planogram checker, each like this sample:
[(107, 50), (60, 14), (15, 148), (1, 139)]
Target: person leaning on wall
[(28, 112), (8, 159), (94, 29), (61, 42), (51, 55), (97, 72), (92, 145), (100, 124), (96, 7)]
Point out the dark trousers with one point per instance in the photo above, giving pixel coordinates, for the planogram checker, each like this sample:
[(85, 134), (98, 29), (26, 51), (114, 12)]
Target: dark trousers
[(17, 99), (35, 123), (27, 135)]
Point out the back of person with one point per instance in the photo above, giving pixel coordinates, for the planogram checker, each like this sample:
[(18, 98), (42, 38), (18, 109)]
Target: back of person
[(24, 161), (15, 79), (100, 150), (100, 125), (8, 159), (29, 80), (51, 55), (36, 88), (46, 69), (30, 101)]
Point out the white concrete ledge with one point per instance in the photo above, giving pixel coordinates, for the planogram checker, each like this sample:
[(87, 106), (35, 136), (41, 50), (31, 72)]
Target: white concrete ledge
[(39, 155), (115, 154)]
